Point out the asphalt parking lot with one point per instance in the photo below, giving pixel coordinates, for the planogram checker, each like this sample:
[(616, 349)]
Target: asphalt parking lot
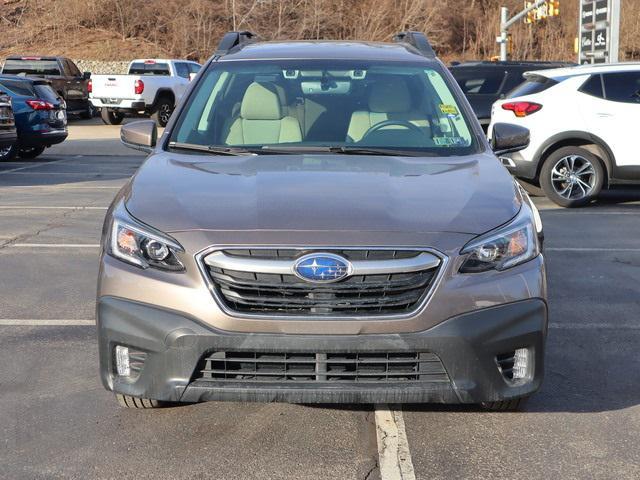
[(59, 422)]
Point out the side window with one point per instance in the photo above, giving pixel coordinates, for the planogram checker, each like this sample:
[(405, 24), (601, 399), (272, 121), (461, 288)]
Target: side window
[(66, 67), (593, 86), (73, 69), (194, 68), (182, 69), (622, 87)]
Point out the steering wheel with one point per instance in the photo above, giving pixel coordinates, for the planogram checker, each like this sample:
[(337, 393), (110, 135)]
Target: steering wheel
[(400, 123)]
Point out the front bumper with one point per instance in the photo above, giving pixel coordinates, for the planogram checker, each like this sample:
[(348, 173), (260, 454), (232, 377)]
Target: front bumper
[(467, 346)]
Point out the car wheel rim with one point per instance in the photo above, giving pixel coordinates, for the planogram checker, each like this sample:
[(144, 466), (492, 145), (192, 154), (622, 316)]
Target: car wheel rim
[(573, 177), (165, 112), (4, 151)]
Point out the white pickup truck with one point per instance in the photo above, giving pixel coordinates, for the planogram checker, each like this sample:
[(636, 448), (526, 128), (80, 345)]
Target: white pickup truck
[(152, 87)]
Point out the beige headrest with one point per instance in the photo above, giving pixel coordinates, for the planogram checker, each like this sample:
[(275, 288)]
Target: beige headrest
[(260, 102)]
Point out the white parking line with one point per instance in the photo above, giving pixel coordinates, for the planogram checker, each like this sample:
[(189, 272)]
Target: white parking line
[(31, 165), (48, 207), (16, 322), (394, 457), (589, 249)]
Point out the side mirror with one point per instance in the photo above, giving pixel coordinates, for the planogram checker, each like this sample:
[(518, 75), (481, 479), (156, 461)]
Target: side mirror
[(509, 138), (192, 75), (141, 135), (86, 75)]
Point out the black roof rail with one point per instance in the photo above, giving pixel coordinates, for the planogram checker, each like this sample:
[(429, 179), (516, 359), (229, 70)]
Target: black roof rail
[(418, 40), (235, 39)]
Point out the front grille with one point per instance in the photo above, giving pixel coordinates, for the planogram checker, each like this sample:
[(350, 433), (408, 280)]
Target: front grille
[(321, 367), (253, 292)]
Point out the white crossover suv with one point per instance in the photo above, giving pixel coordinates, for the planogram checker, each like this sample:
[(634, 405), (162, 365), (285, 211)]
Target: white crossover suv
[(583, 122)]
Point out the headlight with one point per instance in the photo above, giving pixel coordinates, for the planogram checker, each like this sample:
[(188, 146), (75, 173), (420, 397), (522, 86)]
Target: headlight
[(508, 246), (142, 246)]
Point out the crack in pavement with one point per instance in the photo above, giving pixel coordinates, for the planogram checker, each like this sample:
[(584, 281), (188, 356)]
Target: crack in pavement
[(57, 221)]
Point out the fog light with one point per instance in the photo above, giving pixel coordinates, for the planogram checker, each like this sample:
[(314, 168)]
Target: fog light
[(520, 363), (122, 361)]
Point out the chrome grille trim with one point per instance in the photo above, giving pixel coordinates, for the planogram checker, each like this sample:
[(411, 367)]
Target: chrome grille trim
[(423, 261), (204, 271)]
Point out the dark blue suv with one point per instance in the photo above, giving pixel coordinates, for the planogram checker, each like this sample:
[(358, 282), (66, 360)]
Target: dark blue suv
[(40, 116)]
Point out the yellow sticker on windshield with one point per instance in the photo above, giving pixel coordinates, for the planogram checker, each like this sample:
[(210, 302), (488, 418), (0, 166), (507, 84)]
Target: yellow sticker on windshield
[(448, 109)]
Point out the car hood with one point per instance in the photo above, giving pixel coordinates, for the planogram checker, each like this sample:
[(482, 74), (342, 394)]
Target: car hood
[(181, 192)]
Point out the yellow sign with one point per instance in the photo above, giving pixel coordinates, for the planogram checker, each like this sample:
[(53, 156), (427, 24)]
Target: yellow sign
[(448, 109)]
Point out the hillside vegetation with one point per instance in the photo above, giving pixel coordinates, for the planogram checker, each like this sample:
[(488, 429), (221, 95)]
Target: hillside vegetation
[(123, 29)]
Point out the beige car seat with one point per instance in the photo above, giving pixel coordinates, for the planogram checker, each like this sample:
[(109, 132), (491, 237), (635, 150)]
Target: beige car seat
[(387, 101), (261, 119)]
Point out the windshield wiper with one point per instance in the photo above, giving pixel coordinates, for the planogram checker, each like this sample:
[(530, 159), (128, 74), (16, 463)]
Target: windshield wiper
[(213, 149), (346, 150), (395, 152)]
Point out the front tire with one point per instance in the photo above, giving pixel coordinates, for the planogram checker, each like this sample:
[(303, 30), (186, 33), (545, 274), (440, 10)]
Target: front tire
[(87, 114), (162, 111), (572, 177), (111, 117), (127, 401), (30, 152), (8, 153)]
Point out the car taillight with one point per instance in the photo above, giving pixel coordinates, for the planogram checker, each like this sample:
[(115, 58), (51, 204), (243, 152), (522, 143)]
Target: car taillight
[(40, 105), (522, 109), (90, 86), (138, 87)]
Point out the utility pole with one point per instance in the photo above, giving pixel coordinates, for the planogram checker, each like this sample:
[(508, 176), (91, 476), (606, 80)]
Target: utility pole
[(503, 39), (506, 23)]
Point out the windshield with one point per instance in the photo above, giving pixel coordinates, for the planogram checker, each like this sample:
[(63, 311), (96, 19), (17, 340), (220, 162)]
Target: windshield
[(31, 67), (300, 104)]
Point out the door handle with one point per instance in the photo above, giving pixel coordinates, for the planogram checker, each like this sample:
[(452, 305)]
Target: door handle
[(604, 115)]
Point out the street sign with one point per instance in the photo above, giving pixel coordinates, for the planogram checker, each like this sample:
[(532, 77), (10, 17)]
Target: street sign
[(602, 9), (599, 31)]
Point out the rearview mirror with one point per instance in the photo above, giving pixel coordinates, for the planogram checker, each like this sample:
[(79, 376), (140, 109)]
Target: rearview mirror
[(86, 75), (509, 138), (141, 135)]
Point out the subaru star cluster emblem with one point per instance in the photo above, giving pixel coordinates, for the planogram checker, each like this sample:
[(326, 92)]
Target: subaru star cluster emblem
[(322, 268)]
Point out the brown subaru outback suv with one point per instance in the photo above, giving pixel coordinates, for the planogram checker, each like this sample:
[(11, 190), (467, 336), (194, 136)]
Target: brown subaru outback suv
[(322, 222)]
